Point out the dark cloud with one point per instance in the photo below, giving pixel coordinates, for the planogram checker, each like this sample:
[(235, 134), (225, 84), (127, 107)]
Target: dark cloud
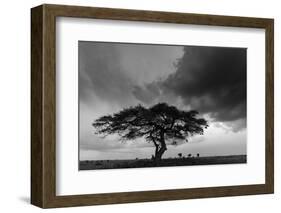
[(212, 80), (209, 79)]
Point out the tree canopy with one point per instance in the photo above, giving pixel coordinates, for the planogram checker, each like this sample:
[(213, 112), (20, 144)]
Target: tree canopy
[(157, 124)]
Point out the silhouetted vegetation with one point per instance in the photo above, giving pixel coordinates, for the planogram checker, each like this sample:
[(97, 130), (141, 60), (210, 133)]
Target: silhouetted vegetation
[(157, 124)]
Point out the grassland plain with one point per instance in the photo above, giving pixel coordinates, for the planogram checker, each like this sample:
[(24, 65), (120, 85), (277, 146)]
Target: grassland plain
[(141, 163)]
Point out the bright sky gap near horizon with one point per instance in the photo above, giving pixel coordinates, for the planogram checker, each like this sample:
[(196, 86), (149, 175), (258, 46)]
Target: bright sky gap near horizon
[(211, 80)]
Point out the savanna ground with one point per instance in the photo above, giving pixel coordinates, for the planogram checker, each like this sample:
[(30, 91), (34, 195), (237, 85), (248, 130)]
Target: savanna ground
[(181, 161)]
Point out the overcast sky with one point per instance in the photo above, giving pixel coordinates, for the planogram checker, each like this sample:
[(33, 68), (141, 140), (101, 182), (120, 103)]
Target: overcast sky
[(211, 80)]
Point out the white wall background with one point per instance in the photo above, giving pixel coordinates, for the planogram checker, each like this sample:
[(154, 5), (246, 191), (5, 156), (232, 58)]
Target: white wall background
[(15, 105)]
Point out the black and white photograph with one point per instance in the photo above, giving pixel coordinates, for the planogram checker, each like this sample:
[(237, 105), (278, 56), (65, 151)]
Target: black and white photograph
[(160, 105)]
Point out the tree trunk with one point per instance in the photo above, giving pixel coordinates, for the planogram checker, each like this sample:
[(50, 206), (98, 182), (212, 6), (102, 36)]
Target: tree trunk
[(160, 151), (159, 154)]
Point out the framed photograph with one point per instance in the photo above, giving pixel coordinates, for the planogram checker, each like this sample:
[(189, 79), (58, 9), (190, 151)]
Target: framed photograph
[(136, 106)]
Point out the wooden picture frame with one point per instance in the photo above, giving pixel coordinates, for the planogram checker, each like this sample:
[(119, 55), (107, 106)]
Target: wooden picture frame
[(43, 105)]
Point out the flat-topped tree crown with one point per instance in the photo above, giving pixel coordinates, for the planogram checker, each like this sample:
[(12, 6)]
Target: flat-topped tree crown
[(156, 124)]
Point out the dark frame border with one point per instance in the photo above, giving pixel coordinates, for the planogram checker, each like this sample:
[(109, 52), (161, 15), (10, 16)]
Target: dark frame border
[(43, 105)]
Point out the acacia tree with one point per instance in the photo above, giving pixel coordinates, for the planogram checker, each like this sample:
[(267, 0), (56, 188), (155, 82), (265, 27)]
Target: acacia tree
[(158, 124)]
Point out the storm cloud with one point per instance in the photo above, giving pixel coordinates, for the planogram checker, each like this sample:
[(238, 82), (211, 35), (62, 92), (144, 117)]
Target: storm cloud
[(211, 80)]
